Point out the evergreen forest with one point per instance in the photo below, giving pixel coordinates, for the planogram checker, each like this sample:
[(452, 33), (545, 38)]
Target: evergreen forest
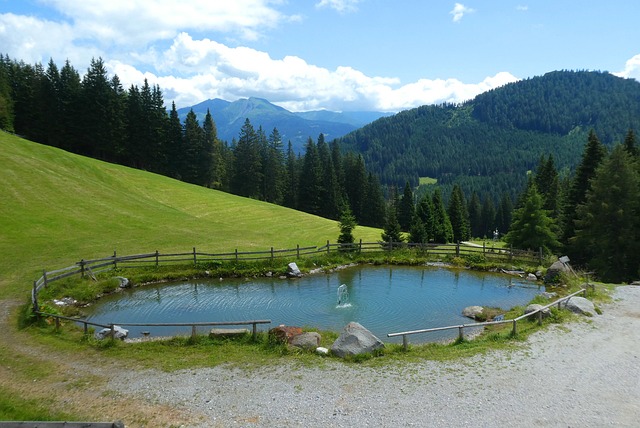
[(549, 163)]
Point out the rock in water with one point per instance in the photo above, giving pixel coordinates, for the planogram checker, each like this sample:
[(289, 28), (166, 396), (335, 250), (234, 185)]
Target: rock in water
[(472, 311), (355, 340)]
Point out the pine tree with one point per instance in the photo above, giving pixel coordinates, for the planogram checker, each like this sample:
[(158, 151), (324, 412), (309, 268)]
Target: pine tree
[(630, 144), (592, 157), (442, 229), (292, 175), (424, 210), (310, 180), (347, 224), (392, 233), (489, 218), (531, 228), (374, 215), (475, 216), (546, 180), (504, 213), (406, 208), (274, 169), (608, 223), (458, 215), (247, 166), (192, 142), (175, 149)]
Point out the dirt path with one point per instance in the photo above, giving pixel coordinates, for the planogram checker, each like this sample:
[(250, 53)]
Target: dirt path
[(72, 383), (581, 374)]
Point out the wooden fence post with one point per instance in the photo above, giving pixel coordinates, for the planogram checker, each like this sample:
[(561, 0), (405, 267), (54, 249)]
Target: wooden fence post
[(458, 249), (195, 260), (193, 331), (460, 333), (81, 270), (328, 247), (297, 251), (271, 253), (236, 255), (514, 331), (36, 308), (157, 257), (360, 246), (115, 260)]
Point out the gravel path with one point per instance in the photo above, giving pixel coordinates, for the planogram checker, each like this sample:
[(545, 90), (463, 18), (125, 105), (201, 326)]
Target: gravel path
[(584, 374)]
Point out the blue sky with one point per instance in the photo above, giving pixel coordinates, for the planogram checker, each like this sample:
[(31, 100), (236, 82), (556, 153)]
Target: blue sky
[(345, 55)]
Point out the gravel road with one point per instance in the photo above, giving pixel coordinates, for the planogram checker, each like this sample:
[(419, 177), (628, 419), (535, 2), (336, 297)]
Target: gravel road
[(584, 374)]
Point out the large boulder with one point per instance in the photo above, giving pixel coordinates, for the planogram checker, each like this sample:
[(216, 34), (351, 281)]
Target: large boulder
[(555, 272), (118, 333), (580, 305), (308, 341), (355, 340), (472, 311)]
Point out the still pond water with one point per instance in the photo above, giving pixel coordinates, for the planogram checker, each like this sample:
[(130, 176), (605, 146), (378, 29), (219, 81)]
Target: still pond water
[(384, 299)]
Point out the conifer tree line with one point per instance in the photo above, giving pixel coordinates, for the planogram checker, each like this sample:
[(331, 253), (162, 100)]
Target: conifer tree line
[(592, 215), (95, 116)]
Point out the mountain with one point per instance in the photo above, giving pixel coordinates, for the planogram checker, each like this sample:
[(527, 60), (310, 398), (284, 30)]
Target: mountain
[(489, 144), (295, 127)]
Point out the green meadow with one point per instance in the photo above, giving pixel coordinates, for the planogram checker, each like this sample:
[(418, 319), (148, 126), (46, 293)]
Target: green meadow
[(57, 208)]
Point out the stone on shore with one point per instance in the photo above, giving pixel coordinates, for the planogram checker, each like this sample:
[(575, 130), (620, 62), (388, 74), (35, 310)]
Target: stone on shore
[(355, 340), (580, 305)]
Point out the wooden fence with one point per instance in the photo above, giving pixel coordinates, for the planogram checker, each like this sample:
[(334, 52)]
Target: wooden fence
[(514, 322), (92, 267)]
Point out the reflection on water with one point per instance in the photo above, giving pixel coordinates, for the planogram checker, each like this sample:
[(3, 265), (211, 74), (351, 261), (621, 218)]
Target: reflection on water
[(384, 299)]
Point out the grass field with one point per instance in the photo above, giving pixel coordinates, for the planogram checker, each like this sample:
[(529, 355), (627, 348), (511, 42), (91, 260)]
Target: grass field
[(57, 208)]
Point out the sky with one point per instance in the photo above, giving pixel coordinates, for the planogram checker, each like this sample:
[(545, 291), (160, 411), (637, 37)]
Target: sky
[(340, 55)]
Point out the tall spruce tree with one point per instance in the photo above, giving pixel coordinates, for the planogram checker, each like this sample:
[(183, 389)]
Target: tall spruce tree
[(592, 157), (406, 208), (424, 210), (608, 223), (310, 191), (392, 232), (442, 229), (458, 215), (531, 228), (247, 165), (475, 216)]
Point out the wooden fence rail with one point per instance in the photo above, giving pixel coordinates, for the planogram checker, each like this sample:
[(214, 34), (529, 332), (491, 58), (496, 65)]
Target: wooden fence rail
[(405, 334), (193, 325), (91, 267)]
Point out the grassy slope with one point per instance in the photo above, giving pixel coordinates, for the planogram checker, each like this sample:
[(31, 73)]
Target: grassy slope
[(57, 208)]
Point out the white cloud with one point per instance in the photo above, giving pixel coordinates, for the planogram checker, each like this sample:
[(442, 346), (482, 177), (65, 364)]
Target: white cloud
[(157, 45), (137, 22), (459, 10), (190, 71), (339, 5), (631, 69), (522, 7)]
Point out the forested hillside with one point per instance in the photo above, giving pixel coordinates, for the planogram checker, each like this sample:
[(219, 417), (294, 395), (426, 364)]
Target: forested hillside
[(488, 144)]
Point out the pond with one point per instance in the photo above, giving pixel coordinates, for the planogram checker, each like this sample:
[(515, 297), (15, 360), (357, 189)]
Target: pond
[(384, 299)]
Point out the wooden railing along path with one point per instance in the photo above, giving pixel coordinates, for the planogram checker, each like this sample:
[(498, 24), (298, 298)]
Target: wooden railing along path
[(539, 312)]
